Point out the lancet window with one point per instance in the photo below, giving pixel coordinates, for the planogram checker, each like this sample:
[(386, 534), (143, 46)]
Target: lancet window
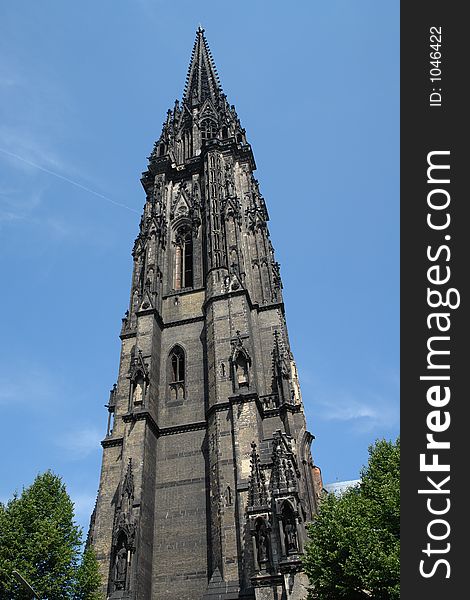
[(177, 374), (183, 275)]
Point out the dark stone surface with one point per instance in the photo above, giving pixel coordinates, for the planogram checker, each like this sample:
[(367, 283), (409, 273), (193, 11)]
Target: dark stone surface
[(190, 443)]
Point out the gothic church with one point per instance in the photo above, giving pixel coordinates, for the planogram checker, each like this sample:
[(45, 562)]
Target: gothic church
[(207, 479)]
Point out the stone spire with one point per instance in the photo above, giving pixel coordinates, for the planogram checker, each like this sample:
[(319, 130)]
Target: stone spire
[(186, 507), (202, 116), (202, 81)]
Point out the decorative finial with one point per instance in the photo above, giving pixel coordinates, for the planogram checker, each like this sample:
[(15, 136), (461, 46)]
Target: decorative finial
[(200, 28)]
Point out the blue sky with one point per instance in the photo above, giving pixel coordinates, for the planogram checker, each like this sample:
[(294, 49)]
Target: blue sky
[(84, 89)]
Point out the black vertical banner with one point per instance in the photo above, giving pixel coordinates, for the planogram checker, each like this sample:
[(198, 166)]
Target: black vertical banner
[(435, 250)]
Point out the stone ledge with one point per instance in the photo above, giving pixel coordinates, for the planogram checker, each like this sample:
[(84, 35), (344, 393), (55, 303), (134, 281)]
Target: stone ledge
[(109, 442)]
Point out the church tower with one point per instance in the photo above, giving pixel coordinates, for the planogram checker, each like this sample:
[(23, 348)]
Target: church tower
[(207, 480)]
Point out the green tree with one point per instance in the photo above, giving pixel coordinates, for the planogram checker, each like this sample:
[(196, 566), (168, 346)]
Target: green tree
[(39, 539), (88, 577), (353, 552)]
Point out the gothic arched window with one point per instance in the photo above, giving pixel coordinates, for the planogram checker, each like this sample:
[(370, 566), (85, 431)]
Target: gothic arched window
[(183, 260), (177, 373), (208, 129), (143, 261)]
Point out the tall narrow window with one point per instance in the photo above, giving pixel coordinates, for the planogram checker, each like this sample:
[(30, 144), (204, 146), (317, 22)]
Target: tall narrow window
[(142, 271), (177, 373), (184, 260), (178, 266), (188, 260)]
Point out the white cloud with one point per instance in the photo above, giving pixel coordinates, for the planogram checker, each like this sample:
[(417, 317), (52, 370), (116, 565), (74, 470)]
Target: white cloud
[(345, 409), (28, 152), (81, 443), (377, 412), (372, 412), (16, 205), (83, 503), (34, 136), (8, 81), (366, 409)]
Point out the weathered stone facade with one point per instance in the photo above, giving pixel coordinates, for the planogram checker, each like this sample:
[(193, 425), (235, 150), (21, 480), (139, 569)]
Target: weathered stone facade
[(206, 481)]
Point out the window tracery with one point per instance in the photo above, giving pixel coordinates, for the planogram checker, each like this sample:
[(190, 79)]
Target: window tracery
[(177, 374), (183, 270), (208, 129)]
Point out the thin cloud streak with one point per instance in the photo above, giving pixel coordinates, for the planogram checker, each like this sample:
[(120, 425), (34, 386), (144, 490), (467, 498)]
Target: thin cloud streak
[(374, 413), (67, 179), (16, 205), (365, 410)]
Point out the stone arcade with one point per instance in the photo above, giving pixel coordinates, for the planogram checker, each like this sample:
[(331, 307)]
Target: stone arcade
[(207, 480)]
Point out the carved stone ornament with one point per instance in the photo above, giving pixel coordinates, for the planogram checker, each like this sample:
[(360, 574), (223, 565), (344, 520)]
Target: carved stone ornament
[(124, 533), (284, 471), (138, 366), (257, 491)]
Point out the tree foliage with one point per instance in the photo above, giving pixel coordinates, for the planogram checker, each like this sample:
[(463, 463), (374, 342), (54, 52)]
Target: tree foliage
[(353, 552), (40, 540), (88, 578)]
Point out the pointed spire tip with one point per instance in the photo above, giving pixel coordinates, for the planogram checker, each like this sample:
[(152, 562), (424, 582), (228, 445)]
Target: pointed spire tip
[(202, 80)]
